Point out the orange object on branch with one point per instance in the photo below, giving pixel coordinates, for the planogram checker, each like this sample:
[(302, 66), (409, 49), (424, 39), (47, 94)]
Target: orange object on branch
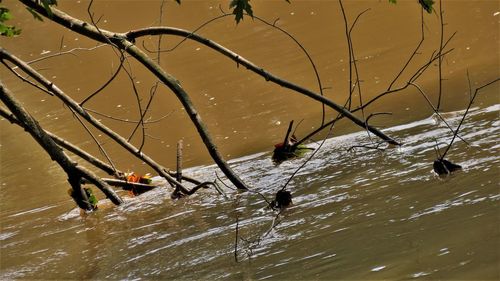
[(132, 177)]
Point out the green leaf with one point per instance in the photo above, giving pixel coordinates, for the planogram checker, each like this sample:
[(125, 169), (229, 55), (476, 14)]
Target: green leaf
[(47, 8), (393, 1), (241, 6), (4, 14), (427, 5), (92, 199), (47, 4), (7, 30), (35, 15)]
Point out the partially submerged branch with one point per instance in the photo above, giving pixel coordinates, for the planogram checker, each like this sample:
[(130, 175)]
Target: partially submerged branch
[(74, 172), (68, 146), (123, 43), (289, 148), (442, 166), (133, 35), (4, 55), (434, 108), (471, 102)]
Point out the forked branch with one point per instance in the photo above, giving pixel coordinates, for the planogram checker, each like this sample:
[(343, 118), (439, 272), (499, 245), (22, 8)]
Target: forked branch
[(74, 172), (133, 35), (73, 105)]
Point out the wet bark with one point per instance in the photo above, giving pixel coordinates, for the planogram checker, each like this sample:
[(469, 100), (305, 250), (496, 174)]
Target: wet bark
[(69, 147), (120, 41), (132, 35), (74, 172), (125, 42), (80, 111)]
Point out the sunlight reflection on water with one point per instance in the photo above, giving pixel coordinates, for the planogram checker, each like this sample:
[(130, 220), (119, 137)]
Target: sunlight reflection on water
[(347, 206)]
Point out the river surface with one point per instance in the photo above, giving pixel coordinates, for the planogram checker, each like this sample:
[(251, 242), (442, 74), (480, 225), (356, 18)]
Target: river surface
[(356, 213)]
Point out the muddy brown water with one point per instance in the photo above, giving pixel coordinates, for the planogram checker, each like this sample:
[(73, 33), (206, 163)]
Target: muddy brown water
[(363, 215)]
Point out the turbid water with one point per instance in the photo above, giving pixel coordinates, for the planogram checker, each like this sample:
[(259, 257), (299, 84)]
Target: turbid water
[(361, 214)]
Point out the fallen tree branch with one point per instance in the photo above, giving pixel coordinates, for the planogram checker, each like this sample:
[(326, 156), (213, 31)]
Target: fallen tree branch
[(4, 55), (471, 101), (94, 138), (122, 42), (68, 146), (132, 35), (421, 91), (74, 172)]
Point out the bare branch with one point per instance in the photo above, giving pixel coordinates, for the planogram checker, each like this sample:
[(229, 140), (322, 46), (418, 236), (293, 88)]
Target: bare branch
[(147, 121), (132, 35), (435, 109), (455, 134), (68, 52), (25, 79), (74, 172), (121, 41), (68, 146), (422, 38), (80, 111)]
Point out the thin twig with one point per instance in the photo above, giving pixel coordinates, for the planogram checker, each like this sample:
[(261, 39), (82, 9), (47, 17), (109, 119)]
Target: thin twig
[(68, 52), (11, 69), (139, 107), (422, 38), (355, 65), (376, 114), (160, 18), (147, 121), (70, 147), (440, 61), (308, 159), (311, 61), (455, 134), (115, 74), (349, 49), (434, 109), (99, 145), (417, 74), (376, 147)]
